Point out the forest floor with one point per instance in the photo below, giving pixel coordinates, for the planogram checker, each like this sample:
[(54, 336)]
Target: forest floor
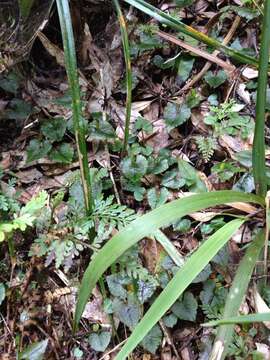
[(192, 127)]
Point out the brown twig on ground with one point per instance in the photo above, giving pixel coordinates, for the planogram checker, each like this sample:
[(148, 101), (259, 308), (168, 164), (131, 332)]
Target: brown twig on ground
[(211, 57), (208, 65)]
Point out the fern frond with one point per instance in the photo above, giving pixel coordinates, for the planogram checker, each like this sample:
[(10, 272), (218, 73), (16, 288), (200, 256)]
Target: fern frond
[(206, 146)]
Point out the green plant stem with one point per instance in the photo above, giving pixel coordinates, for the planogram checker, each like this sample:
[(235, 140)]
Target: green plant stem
[(236, 295), (25, 7), (178, 25), (125, 42), (11, 249), (258, 152), (71, 68)]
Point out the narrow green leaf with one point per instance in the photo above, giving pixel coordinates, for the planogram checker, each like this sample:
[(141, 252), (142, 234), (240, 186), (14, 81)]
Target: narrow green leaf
[(147, 225), (258, 151), (243, 319), (71, 69), (179, 283), (178, 25), (236, 295)]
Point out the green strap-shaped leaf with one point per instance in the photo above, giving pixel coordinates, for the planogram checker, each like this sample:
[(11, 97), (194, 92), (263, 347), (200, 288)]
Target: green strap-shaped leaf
[(236, 295), (176, 24), (242, 319), (147, 225), (194, 265)]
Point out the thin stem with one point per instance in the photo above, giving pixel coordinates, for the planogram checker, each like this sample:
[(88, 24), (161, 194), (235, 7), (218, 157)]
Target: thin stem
[(71, 69), (258, 153), (125, 42)]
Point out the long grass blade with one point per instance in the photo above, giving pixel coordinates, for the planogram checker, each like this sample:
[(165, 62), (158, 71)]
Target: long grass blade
[(147, 225), (178, 25), (169, 248), (236, 295), (258, 151), (242, 319), (71, 69), (125, 42), (25, 7), (194, 265)]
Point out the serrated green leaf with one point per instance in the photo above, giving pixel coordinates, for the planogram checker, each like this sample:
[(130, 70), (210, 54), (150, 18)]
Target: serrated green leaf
[(186, 309), (54, 129), (37, 149), (152, 340), (62, 154), (175, 115), (134, 168), (215, 80)]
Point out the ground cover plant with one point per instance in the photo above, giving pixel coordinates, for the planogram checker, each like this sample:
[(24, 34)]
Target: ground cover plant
[(134, 177)]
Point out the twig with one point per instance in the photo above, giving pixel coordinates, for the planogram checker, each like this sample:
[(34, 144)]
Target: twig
[(207, 66), (211, 57), (169, 338)]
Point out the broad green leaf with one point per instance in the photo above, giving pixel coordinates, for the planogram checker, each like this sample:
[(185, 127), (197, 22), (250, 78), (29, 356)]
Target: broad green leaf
[(191, 176), (170, 320), (37, 149), (185, 67), (10, 83), (147, 225), (62, 154), (152, 340), (35, 351), (54, 129), (242, 11), (18, 109), (100, 341), (35, 204), (215, 80), (242, 319), (179, 283), (157, 197), (186, 309), (134, 168), (183, 3), (128, 313), (145, 290), (175, 115), (173, 179), (2, 292)]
